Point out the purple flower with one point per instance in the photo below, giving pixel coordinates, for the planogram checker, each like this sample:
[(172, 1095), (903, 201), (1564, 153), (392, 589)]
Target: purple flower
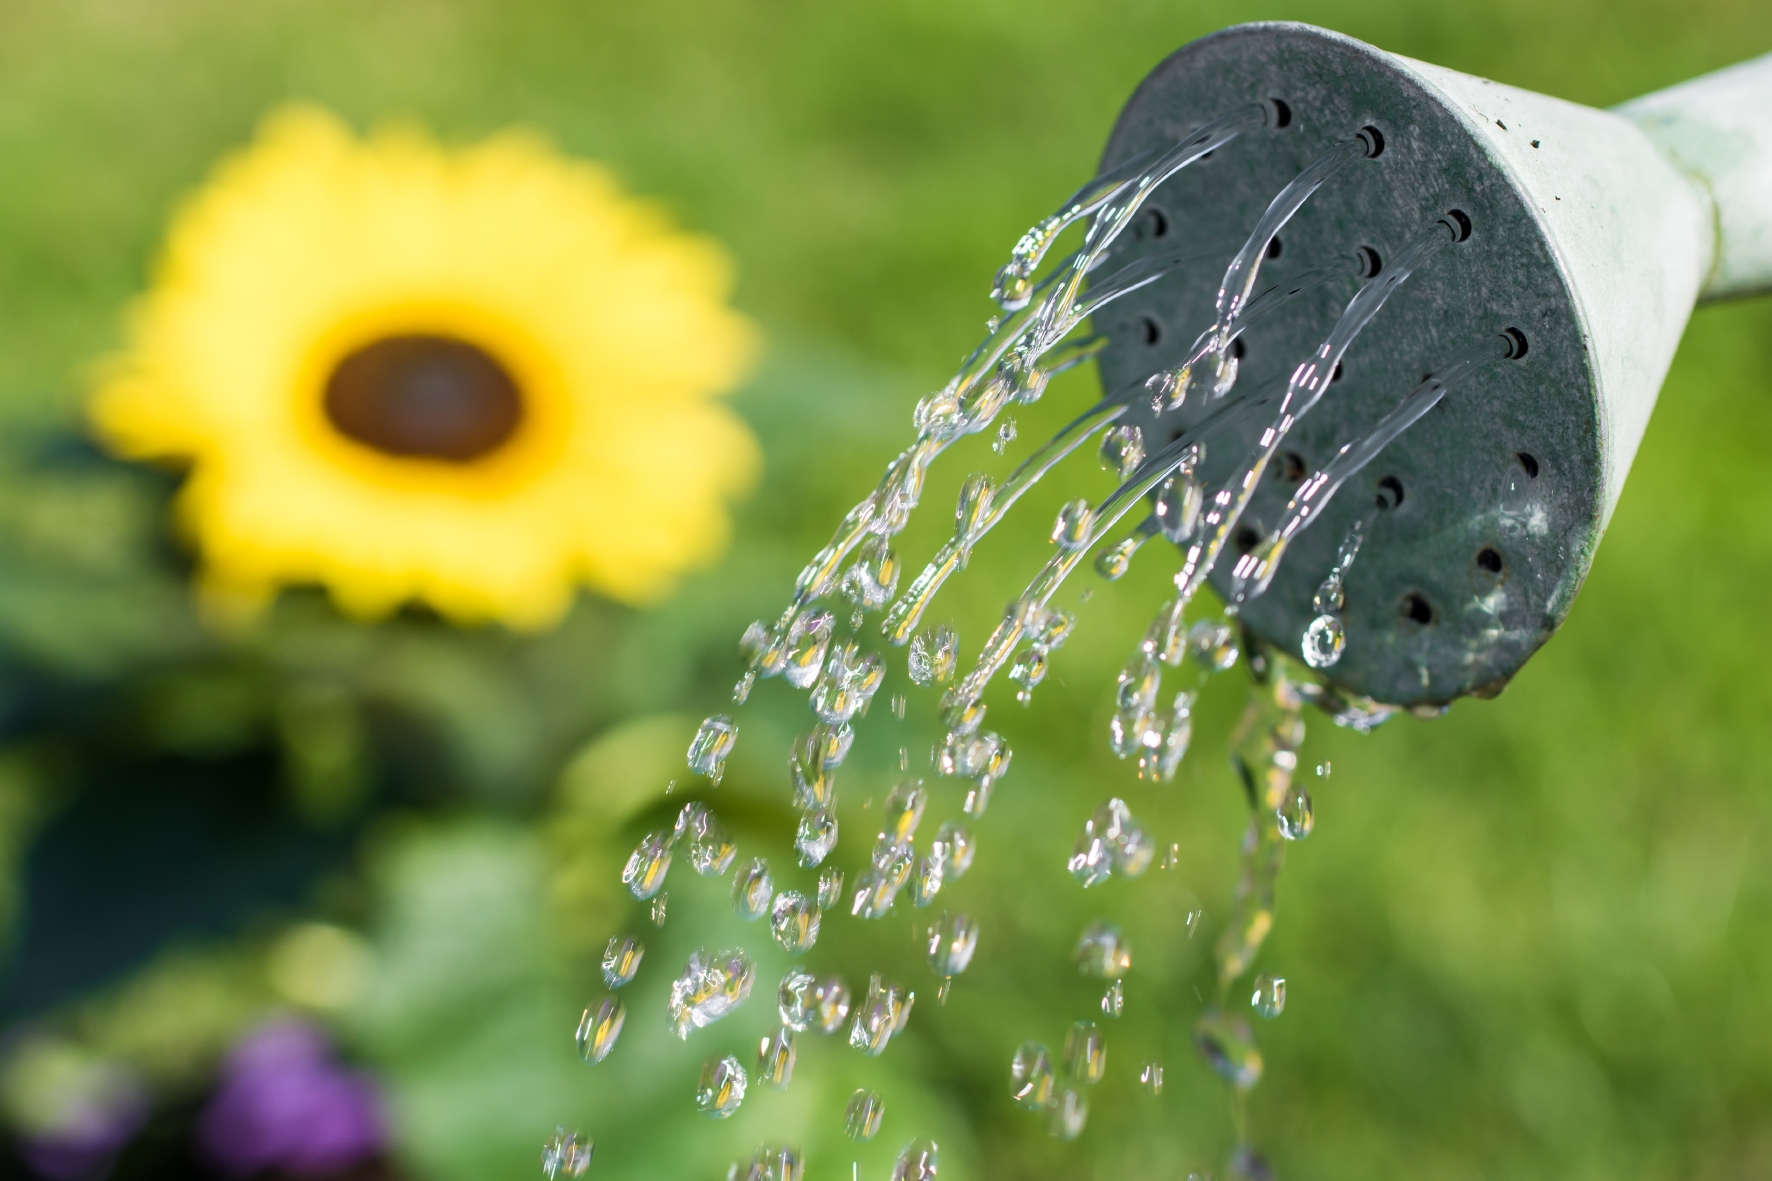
[(285, 1103)]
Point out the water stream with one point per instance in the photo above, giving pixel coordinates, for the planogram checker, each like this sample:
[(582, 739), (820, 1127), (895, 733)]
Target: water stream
[(1036, 337)]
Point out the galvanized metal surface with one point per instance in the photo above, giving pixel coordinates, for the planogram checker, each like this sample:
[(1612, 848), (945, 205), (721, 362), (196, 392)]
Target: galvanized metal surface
[(1585, 238)]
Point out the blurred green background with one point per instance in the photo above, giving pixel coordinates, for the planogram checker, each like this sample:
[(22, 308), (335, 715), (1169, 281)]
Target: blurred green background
[(1532, 939)]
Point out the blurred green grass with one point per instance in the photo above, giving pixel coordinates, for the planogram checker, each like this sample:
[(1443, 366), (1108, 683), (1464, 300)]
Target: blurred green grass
[(1533, 939)]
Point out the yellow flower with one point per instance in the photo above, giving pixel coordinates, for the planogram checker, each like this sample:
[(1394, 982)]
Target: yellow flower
[(475, 378)]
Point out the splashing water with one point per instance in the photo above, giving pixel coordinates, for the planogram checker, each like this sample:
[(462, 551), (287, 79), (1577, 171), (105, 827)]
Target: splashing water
[(863, 1114), (598, 1029), (566, 1154)]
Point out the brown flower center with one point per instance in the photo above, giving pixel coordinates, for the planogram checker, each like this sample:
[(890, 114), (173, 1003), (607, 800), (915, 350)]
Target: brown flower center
[(424, 397)]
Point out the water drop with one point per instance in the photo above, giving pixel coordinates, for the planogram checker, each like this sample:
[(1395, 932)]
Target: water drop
[(1122, 450), (711, 848), (1177, 734), (1112, 842), (598, 1029), (1213, 645), (830, 887), (1178, 503), (1005, 436), (830, 1004), (647, 865), (861, 1118), (1028, 671), (816, 836), (721, 1087), (952, 941), (621, 959), (773, 1162), (1030, 1076), (1323, 770), (710, 746), (904, 810), (1102, 951), (956, 837), (752, 888), (916, 1162), (1070, 1111), (1113, 562), (1114, 999), (934, 655), (1324, 641), (850, 680), (1171, 857), (741, 692), (1071, 528), (873, 579), (793, 920), (1295, 815), (808, 638), (1193, 921), (659, 906), (888, 870), (1085, 1053), (794, 999), (710, 987), (1228, 1046), (775, 1057), (566, 1154), (972, 511), (879, 1017), (1150, 1077), (1270, 995), (898, 704), (929, 875)]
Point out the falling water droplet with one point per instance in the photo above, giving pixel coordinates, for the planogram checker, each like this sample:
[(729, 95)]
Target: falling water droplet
[(816, 836), (955, 836), (659, 906), (1102, 951), (861, 1118), (621, 959), (647, 865), (1295, 815), (898, 705), (1030, 1076), (1114, 999), (927, 878), (1213, 645), (916, 1162), (775, 1058), (793, 921), (851, 678), (1085, 1053), (1324, 641), (711, 848), (903, 810), (888, 870), (1179, 501), (1150, 1076), (934, 655), (1069, 1113), (1113, 562), (752, 888), (1112, 842), (808, 638), (710, 987), (721, 1087), (872, 581), (598, 1029), (830, 887), (879, 1017), (1122, 450), (1071, 528), (710, 746), (741, 692), (794, 999), (952, 940), (1228, 1046), (773, 1162), (1171, 857), (830, 1004), (1193, 921), (566, 1154), (1323, 770), (1005, 436), (1270, 995), (1176, 735)]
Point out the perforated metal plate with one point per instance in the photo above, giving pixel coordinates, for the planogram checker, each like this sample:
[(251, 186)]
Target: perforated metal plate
[(1457, 583)]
